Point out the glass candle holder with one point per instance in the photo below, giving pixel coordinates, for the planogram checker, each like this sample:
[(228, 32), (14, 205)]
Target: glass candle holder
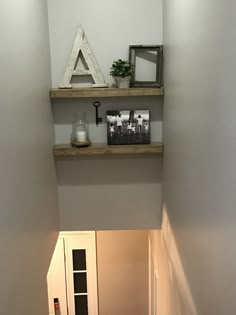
[(79, 133)]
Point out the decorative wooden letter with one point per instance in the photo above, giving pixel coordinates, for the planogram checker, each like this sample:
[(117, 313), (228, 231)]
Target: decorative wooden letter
[(82, 63)]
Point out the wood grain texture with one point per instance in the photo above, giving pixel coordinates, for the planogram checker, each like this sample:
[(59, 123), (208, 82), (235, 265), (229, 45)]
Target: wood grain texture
[(66, 150), (75, 66), (66, 82), (92, 63), (105, 92)]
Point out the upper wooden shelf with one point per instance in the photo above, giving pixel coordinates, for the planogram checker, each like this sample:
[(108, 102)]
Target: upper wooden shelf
[(66, 150), (105, 92)]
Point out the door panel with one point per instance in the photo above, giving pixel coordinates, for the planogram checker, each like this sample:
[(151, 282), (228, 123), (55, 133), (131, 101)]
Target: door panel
[(81, 274)]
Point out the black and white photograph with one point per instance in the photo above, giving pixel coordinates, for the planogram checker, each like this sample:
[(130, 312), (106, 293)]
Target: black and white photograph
[(128, 127)]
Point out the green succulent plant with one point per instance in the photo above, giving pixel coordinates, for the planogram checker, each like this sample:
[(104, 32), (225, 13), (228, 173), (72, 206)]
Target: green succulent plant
[(121, 68)]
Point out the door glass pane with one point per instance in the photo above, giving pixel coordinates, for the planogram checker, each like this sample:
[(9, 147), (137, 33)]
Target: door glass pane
[(81, 305), (79, 259), (80, 282)]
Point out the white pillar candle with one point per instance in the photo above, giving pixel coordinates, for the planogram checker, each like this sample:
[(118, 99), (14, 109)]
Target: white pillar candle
[(81, 136)]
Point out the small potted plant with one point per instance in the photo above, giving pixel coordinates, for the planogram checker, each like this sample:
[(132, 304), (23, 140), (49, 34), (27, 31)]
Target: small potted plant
[(121, 71)]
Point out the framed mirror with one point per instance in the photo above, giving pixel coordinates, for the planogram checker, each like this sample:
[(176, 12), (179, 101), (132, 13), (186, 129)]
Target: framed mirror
[(147, 61)]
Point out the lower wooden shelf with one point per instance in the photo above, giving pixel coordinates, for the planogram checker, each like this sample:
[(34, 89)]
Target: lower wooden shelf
[(66, 150)]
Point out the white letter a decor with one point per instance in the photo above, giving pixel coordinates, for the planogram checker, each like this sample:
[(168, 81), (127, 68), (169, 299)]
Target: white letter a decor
[(82, 68)]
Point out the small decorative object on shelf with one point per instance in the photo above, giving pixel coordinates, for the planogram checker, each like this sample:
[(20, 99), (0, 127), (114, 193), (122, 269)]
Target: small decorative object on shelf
[(98, 119), (121, 71), (79, 135), (147, 61), (82, 66), (128, 127)]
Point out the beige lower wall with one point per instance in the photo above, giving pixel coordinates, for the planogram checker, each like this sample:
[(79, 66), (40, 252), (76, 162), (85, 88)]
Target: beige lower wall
[(122, 261), (167, 298), (172, 296)]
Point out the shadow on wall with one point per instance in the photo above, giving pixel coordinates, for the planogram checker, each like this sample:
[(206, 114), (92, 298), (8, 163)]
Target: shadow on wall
[(110, 171), (114, 194)]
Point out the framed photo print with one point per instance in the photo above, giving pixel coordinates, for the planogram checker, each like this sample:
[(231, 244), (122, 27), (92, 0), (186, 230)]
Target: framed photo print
[(128, 127)]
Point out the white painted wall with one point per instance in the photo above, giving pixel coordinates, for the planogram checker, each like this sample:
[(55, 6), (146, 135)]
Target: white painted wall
[(88, 190), (110, 26), (200, 142), (28, 193), (109, 193)]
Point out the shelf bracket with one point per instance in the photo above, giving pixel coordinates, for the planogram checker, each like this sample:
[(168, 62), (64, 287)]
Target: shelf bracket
[(97, 104)]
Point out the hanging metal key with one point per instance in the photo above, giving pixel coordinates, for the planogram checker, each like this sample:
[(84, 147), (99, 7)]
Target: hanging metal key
[(96, 105)]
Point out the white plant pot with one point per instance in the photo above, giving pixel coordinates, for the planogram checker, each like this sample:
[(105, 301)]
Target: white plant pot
[(122, 83)]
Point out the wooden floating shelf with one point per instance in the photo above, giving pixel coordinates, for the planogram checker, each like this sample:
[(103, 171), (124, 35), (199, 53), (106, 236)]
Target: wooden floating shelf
[(66, 150), (105, 92)]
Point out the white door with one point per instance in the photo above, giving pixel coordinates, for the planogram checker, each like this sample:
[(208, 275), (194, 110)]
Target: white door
[(81, 273)]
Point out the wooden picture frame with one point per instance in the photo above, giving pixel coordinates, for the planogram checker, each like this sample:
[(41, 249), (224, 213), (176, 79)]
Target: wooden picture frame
[(152, 54)]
